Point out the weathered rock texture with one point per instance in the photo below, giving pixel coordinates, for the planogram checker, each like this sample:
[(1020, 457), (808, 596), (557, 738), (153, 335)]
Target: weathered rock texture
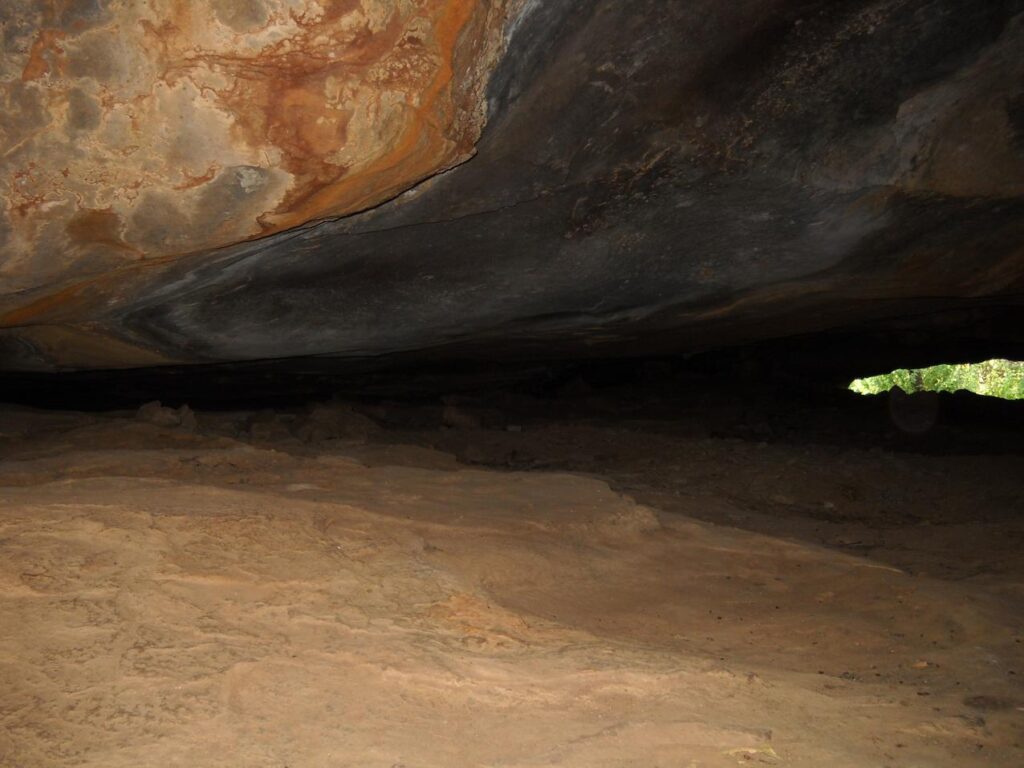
[(679, 173), (139, 130)]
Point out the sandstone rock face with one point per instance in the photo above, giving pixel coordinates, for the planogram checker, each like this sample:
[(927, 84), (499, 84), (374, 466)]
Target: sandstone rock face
[(133, 131), (644, 175)]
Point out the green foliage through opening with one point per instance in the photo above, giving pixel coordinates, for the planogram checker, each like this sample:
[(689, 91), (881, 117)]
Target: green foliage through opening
[(994, 378)]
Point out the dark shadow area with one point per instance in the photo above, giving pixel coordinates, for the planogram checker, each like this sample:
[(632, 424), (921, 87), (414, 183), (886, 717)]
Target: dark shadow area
[(793, 390)]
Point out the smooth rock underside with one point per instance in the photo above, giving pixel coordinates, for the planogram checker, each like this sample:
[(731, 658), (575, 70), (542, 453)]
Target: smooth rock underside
[(235, 180)]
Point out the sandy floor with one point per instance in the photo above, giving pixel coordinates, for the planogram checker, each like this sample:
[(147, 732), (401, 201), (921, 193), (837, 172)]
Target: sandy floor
[(248, 594)]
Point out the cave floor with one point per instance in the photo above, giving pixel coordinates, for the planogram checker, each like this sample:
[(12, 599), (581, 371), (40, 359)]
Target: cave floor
[(233, 594)]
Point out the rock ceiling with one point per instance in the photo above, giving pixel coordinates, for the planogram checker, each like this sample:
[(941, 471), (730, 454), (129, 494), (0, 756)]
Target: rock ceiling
[(140, 130), (223, 180)]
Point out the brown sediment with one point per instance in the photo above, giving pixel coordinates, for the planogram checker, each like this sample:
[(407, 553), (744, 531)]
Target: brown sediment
[(175, 582)]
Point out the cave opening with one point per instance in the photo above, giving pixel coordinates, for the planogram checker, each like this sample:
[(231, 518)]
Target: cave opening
[(1003, 379)]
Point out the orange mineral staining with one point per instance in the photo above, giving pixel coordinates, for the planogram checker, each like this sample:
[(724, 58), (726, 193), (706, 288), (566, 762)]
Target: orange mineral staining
[(143, 131)]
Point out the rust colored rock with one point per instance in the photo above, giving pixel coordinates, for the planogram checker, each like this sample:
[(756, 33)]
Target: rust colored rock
[(130, 131)]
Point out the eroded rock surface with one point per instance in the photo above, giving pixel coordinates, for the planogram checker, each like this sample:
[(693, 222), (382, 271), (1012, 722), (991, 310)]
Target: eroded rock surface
[(669, 174), (133, 131)]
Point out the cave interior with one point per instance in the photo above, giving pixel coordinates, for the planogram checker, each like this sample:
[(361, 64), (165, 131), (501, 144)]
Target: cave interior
[(467, 383)]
